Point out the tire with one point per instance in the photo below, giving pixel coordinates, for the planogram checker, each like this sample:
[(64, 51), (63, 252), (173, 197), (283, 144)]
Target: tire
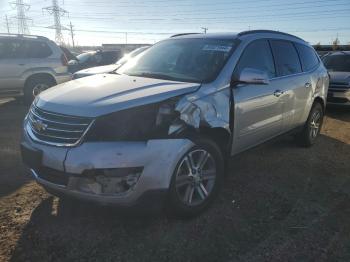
[(35, 86), (312, 127), (192, 191)]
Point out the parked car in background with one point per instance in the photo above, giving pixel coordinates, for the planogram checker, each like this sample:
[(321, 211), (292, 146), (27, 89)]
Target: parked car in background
[(338, 66), (30, 64), (92, 59), (109, 68), (162, 128), (70, 56)]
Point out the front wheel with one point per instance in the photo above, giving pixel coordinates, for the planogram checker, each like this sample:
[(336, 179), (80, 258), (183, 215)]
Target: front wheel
[(312, 126), (196, 179), (35, 86)]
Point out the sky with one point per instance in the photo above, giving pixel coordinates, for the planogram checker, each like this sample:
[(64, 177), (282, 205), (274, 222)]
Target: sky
[(148, 21)]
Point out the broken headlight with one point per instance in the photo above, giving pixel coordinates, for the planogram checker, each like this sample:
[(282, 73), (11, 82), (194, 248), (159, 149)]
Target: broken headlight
[(135, 124)]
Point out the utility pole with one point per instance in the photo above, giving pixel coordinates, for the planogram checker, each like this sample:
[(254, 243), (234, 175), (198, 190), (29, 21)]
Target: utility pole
[(21, 16), (205, 29), (57, 12), (71, 33), (126, 38), (7, 24)]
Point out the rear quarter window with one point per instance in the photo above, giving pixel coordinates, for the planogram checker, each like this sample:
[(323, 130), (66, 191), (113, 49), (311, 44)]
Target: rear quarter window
[(11, 49), (308, 57), (37, 49), (286, 58)]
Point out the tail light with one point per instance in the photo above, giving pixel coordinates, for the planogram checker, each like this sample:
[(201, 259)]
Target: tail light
[(64, 60)]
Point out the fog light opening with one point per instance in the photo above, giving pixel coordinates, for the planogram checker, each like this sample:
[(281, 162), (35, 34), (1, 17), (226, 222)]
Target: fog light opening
[(109, 181)]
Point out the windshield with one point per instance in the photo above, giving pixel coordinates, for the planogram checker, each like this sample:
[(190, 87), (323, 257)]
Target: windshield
[(84, 57), (338, 63), (187, 60)]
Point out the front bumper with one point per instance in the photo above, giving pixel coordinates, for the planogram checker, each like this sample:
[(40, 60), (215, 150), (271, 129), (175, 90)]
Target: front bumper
[(158, 159)]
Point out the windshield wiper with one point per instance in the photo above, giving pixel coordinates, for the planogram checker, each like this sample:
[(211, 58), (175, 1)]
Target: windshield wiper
[(156, 75)]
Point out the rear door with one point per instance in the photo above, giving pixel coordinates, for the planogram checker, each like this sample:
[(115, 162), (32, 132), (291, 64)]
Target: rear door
[(12, 65), (291, 81), (258, 109)]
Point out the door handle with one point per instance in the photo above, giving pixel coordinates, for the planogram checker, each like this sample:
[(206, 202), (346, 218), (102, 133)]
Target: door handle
[(278, 93), (307, 85)]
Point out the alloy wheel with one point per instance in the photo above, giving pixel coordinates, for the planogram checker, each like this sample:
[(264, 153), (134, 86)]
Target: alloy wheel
[(195, 177)]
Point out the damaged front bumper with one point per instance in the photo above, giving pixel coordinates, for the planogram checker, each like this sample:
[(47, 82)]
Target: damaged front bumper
[(117, 173)]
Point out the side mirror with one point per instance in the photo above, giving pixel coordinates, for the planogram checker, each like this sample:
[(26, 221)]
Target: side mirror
[(73, 62), (252, 76)]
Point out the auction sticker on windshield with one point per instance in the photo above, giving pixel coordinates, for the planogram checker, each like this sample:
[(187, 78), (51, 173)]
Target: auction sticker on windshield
[(219, 48)]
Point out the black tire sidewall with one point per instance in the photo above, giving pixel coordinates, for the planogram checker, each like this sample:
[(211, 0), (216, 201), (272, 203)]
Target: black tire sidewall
[(174, 205), (28, 89), (307, 140)]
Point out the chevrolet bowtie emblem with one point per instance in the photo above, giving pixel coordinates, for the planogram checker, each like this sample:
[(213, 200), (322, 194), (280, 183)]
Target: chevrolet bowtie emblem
[(39, 126)]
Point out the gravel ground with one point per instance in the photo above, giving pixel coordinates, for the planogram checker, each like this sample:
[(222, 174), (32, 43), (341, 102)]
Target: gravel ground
[(280, 203)]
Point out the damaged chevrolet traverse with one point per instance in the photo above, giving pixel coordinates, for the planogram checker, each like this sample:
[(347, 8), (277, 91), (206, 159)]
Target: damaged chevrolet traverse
[(162, 127)]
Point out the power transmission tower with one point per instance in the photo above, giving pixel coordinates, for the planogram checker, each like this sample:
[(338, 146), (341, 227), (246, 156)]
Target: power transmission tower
[(7, 24), (57, 12), (21, 16), (71, 33)]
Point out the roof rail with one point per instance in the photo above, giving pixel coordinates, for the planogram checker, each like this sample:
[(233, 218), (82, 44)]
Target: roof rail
[(22, 35), (267, 31), (184, 34)]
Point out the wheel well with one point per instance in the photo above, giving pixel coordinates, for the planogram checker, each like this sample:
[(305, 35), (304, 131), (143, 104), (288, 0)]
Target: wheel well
[(219, 135), (320, 100), (40, 76)]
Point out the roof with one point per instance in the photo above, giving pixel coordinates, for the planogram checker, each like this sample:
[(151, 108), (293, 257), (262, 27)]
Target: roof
[(232, 35), (5, 35)]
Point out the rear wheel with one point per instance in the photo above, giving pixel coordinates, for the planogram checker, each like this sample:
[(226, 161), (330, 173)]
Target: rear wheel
[(196, 180), (35, 86), (312, 126)]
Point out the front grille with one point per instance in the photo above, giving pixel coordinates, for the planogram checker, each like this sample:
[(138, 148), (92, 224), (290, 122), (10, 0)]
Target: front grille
[(337, 100), (57, 129)]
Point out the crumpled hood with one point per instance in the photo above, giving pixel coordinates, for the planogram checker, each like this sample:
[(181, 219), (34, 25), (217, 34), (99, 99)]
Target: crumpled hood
[(339, 77), (98, 70), (98, 95)]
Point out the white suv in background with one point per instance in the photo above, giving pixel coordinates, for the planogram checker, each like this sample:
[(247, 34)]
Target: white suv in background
[(29, 65)]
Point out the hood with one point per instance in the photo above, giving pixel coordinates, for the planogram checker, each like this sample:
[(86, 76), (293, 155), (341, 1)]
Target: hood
[(98, 70), (339, 77), (98, 95)]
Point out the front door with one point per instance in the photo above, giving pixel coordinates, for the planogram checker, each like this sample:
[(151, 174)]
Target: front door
[(258, 109)]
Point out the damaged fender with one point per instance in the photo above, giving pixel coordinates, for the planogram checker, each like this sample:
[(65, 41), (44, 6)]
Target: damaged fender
[(211, 110)]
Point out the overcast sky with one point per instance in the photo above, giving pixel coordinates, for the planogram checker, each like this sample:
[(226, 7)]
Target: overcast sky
[(105, 21)]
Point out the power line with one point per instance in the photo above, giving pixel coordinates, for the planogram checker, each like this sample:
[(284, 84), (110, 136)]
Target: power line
[(57, 12), (21, 16)]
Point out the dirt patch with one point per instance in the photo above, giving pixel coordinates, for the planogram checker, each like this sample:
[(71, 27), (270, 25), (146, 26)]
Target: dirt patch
[(280, 203)]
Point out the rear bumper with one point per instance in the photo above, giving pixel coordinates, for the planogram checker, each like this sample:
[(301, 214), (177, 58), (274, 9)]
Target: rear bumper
[(339, 98)]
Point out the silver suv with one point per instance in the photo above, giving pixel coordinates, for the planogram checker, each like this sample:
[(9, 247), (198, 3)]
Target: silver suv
[(29, 65), (163, 126)]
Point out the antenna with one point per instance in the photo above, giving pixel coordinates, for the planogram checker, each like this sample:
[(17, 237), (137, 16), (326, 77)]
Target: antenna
[(21, 16), (57, 12)]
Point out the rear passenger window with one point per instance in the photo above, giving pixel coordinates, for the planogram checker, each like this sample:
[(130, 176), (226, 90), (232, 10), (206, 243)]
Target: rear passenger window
[(286, 58), (11, 49), (257, 56), (308, 57), (36, 49)]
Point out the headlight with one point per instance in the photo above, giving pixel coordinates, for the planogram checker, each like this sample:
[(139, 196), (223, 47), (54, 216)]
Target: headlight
[(135, 124)]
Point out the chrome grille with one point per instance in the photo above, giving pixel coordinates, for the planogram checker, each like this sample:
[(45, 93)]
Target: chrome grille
[(56, 129)]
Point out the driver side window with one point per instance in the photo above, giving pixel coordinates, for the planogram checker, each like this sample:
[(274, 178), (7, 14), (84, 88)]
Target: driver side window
[(257, 55)]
